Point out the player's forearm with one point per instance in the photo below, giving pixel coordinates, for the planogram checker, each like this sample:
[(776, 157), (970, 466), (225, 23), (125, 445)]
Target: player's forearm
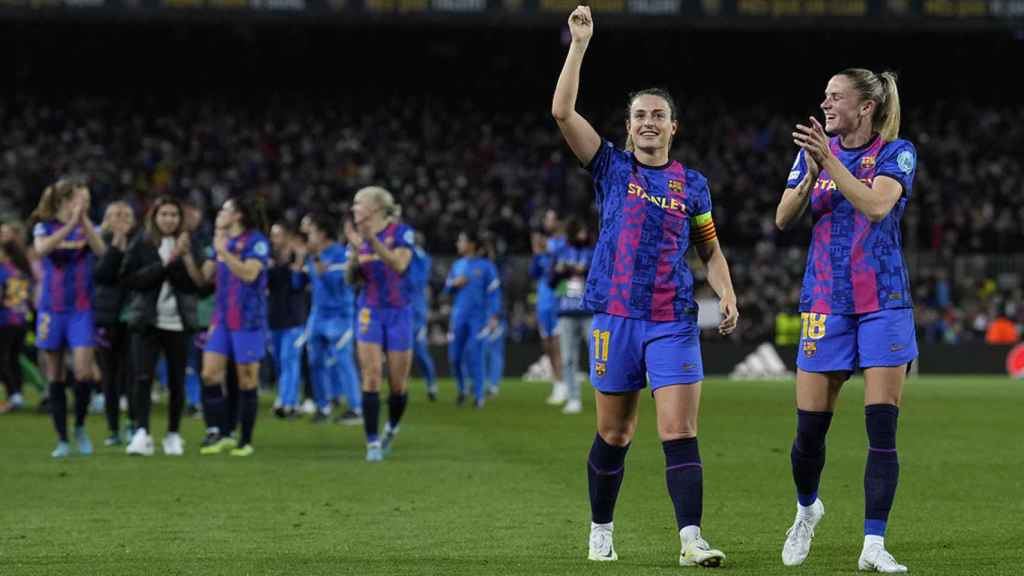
[(794, 202), (96, 243), (718, 275), (564, 102), (243, 270), (864, 199), (392, 258), (48, 244)]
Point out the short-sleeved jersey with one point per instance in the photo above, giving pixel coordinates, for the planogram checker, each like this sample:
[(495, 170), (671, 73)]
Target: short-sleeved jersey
[(332, 295), (67, 271), (539, 267), (242, 305), (855, 266), (648, 213), (419, 277), (384, 287), (478, 298), (15, 291)]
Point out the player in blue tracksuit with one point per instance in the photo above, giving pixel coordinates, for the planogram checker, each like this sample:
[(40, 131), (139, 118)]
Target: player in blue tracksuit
[(330, 328), (286, 317), (494, 343), (474, 282), (419, 276), (545, 244)]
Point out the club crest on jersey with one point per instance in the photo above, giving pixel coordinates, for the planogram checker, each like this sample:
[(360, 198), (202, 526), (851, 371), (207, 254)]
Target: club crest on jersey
[(867, 162), (675, 185), (599, 369), (670, 204), (810, 348)]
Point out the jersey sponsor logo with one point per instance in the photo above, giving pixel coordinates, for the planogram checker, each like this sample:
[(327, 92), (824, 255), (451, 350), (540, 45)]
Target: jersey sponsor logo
[(830, 184), (905, 161), (867, 162), (670, 204), (364, 258)]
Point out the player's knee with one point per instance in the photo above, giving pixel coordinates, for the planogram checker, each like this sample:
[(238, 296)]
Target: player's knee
[(213, 376), (618, 434), (677, 432)]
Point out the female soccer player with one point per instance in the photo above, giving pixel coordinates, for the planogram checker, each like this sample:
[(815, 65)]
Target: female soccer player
[(419, 272), (161, 273), (855, 302), (331, 323), (68, 244), (641, 292), (238, 327), (473, 281), (382, 247), (15, 293)]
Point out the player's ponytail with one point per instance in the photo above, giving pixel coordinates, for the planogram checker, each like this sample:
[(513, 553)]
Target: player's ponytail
[(53, 197), (881, 88), (889, 121)]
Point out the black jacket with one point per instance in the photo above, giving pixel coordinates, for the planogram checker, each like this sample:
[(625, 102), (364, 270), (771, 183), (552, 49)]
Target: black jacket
[(143, 274), (110, 297)]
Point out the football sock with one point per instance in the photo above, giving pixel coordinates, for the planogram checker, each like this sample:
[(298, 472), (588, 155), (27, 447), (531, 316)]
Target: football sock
[(882, 472), (808, 454), (605, 470), (684, 475)]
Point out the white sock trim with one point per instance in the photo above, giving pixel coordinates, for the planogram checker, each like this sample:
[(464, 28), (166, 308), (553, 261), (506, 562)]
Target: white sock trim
[(873, 540)]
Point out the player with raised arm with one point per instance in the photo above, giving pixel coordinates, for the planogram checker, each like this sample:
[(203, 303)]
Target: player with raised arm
[(855, 303), (652, 209)]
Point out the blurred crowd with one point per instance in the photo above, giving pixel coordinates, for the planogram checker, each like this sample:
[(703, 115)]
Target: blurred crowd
[(453, 163)]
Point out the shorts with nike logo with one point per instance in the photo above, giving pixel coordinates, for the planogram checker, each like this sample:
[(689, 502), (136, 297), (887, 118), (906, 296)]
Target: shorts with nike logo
[(627, 353), (845, 342)]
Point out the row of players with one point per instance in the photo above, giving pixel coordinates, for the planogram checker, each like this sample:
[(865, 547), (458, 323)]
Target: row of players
[(146, 283)]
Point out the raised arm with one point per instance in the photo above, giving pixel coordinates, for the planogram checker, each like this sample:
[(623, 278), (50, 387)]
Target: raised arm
[(578, 133)]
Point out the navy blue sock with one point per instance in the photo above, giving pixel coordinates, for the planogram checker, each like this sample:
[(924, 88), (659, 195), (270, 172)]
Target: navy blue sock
[(231, 403), (83, 395), (605, 470), (59, 409), (396, 407), (808, 453), (213, 408), (249, 401), (371, 415), (882, 472), (684, 475)]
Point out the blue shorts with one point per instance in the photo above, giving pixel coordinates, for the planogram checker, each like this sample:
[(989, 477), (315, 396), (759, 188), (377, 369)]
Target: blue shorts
[(391, 328), (242, 346), (59, 330), (845, 342), (547, 321), (625, 353)]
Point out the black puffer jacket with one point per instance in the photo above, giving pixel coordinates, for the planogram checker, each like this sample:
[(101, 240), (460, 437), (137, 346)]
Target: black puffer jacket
[(110, 296), (143, 274)]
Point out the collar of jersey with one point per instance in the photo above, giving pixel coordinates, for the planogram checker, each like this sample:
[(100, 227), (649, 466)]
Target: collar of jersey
[(864, 146), (649, 167)]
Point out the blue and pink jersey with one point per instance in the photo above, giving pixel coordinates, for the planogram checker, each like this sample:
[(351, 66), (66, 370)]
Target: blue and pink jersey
[(383, 287), (649, 218), (15, 291), (242, 305), (67, 271), (855, 266)]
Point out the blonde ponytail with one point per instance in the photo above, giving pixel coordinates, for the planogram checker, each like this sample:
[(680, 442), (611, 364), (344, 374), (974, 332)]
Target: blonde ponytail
[(890, 116)]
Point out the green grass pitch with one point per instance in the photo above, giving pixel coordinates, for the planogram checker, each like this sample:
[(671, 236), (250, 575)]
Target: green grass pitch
[(503, 491)]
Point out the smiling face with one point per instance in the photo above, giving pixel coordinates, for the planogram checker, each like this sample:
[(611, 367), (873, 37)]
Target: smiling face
[(650, 124), (168, 220), (845, 111)]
